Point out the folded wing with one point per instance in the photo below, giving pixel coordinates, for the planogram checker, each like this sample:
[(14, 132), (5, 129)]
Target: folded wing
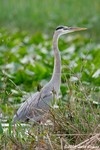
[(33, 108)]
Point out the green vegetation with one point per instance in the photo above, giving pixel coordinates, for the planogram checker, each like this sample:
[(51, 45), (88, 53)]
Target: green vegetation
[(26, 62), (46, 15)]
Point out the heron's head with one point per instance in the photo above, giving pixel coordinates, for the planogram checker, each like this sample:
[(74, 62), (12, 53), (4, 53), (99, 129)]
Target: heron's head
[(64, 29)]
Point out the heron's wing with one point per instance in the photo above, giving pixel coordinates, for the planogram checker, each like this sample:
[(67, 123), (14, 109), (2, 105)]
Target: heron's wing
[(45, 102), (25, 109), (34, 108)]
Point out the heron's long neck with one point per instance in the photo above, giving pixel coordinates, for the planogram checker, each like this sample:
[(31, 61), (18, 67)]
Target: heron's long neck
[(56, 77)]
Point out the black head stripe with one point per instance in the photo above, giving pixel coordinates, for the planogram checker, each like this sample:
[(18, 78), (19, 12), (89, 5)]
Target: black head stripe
[(60, 27)]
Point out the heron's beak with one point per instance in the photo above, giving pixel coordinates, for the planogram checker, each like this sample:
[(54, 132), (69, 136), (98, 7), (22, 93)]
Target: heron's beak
[(78, 29), (74, 28)]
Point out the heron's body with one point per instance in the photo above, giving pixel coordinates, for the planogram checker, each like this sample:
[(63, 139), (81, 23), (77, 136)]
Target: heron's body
[(39, 103)]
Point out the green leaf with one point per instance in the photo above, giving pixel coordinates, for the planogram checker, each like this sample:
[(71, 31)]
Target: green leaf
[(1, 128)]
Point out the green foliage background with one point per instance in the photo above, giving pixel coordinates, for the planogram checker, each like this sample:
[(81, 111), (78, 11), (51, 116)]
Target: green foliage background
[(46, 15)]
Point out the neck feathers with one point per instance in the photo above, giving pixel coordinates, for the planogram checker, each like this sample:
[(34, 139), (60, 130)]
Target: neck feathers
[(56, 77)]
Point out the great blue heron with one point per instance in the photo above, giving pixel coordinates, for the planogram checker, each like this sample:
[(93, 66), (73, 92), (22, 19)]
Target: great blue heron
[(39, 103)]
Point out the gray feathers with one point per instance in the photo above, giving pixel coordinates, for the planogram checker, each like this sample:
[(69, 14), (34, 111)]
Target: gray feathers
[(33, 108)]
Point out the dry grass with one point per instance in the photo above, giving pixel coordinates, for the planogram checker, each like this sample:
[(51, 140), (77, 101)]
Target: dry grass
[(62, 131)]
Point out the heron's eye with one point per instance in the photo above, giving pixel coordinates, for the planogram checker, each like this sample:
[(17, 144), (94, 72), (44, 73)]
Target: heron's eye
[(65, 28), (60, 27)]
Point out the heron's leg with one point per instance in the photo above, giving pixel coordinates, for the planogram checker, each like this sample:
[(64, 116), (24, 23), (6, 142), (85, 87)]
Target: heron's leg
[(14, 127)]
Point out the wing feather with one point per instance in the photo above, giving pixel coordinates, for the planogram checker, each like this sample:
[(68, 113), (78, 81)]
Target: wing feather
[(25, 109), (34, 107)]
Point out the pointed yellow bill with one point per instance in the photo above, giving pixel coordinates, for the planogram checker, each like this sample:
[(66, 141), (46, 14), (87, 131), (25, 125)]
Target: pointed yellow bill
[(77, 29)]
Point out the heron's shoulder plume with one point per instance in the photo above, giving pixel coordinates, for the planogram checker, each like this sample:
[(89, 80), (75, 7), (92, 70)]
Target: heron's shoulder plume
[(59, 27)]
